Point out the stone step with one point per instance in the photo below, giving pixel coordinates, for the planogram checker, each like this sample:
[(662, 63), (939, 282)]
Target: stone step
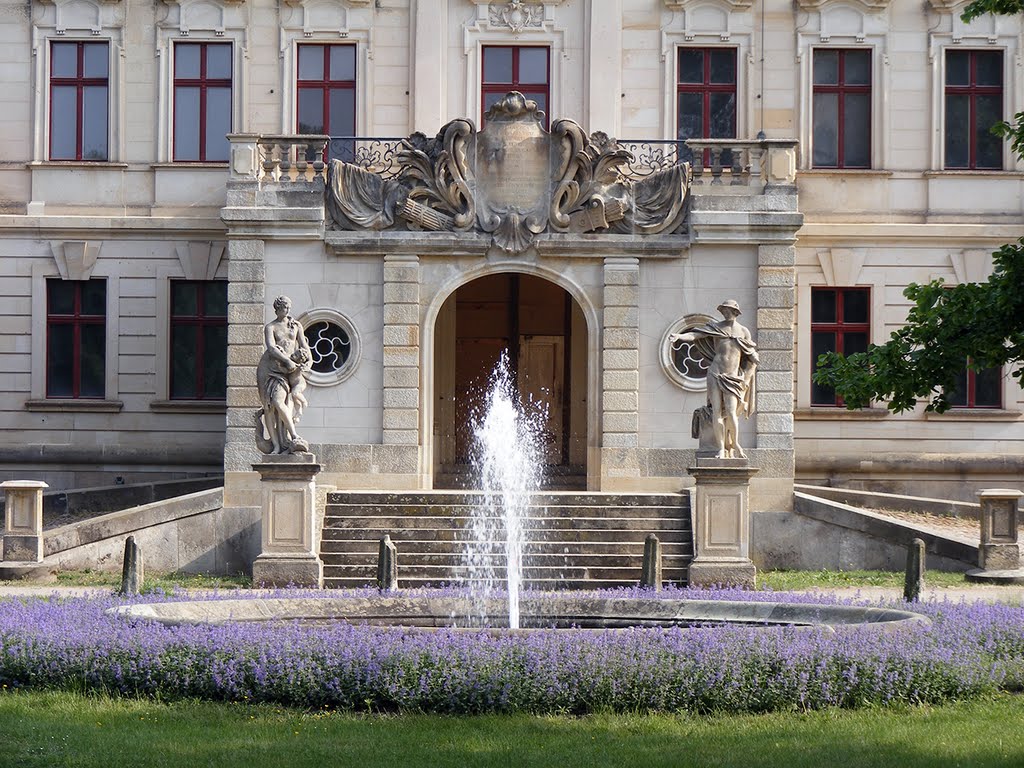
[(355, 582), (434, 541), (442, 574), (466, 510), (476, 498), (457, 560), (388, 524)]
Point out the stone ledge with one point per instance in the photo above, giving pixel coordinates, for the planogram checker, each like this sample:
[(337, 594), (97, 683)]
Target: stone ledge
[(72, 405), (832, 413), (188, 406)]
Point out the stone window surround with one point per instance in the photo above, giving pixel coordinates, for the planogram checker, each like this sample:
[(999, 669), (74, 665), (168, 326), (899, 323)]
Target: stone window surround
[(666, 357), (300, 27), (333, 316), (64, 21), (480, 32), (38, 401), (735, 29), (984, 33), (868, 278), (233, 29), (872, 34)]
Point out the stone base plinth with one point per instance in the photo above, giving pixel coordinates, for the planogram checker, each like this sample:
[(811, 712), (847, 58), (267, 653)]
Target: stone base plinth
[(707, 572), (1014, 576), (998, 557), (24, 548), (721, 523), (284, 571)]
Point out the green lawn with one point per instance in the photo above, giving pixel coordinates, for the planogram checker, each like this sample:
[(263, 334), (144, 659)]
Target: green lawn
[(776, 580), (49, 730), (794, 580)]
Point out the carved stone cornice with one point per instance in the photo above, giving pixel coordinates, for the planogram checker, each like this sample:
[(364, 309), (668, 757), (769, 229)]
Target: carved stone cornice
[(817, 5), (735, 5), (946, 6), (516, 15)]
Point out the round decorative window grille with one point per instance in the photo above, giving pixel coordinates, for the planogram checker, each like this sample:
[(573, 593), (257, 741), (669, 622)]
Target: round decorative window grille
[(329, 345), (333, 346), (688, 361), (681, 361)]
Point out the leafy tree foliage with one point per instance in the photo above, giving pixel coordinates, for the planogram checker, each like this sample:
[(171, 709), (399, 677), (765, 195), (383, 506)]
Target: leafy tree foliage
[(975, 324)]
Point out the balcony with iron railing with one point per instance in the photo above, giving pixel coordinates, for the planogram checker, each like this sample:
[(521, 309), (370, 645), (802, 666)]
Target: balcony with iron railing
[(717, 166)]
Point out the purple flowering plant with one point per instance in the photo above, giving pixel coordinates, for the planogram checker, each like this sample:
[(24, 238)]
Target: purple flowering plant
[(71, 643)]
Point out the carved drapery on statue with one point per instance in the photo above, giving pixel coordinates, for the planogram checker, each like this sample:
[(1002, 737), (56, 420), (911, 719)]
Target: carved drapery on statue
[(512, 180)]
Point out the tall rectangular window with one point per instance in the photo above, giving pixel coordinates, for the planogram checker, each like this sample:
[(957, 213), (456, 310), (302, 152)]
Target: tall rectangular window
[(76, 313), (978, 389), (79, 108), (974, 103), (199, 339), (202, 101), (842, 108), (326, 88), (840, 322), (705, 95), (526, 69)]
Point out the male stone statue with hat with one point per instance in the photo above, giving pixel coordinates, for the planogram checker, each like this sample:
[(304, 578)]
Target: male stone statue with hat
[(733, 355)]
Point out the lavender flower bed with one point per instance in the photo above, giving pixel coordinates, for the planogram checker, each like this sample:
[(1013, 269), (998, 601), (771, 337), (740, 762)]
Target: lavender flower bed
[(72, 643)]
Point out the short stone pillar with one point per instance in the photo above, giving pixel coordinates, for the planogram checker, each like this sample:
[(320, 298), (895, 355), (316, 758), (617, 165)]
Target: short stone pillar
[(289, 547), (721, 523), (23, 520), (999, 552)]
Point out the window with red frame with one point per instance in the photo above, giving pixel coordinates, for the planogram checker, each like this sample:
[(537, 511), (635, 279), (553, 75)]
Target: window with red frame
[(978, 389), (79, 87), (974, 103), (326, 87), (705, 96), (842, 108), (840, 322), (76, 338), (199, 339), (526, 69), (202, 101)]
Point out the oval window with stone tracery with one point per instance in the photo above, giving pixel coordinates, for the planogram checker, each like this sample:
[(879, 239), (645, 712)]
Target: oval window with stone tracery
[(681, 360), (333, 346)]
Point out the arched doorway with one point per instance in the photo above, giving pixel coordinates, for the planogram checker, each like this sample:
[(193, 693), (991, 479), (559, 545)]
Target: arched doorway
[(544, 332)]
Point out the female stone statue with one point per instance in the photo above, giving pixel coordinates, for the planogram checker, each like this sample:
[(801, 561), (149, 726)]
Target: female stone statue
[(280, 377)]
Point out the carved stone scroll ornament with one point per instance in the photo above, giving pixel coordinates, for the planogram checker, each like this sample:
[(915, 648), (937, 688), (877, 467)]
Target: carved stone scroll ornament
[(512, 180)]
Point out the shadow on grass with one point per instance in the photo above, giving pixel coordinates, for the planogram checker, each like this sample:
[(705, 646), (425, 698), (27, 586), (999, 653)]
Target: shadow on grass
[(62, 729)]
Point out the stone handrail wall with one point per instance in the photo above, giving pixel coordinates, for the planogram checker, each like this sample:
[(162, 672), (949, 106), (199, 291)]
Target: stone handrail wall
[(716, 163), (742, 163)]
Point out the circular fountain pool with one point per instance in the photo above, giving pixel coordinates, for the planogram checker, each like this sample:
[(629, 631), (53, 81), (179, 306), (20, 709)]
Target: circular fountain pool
[(538, 612)]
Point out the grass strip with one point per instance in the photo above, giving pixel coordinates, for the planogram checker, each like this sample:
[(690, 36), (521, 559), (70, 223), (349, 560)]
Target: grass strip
[(52, 729)]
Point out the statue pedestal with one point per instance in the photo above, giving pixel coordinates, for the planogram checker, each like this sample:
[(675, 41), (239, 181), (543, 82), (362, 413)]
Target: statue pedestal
[(999, 558), (288, 554), (23, 521), (721, 523)]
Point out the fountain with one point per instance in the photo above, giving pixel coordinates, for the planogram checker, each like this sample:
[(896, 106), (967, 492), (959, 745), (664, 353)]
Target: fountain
[(507, 459)]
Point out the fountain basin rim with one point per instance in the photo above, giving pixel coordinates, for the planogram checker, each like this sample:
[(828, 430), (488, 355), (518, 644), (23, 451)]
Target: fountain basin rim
[(542, 611)]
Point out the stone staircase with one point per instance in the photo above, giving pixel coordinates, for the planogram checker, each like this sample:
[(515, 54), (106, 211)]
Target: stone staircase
[(574, 540)]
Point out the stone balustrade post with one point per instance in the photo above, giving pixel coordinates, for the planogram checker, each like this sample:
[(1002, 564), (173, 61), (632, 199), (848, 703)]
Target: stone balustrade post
[(23, 520)]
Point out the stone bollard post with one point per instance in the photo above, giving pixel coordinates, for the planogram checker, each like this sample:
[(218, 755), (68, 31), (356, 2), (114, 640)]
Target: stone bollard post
[(650, 573), (23, 520), (387, 565), (913, 583), (132, 573)]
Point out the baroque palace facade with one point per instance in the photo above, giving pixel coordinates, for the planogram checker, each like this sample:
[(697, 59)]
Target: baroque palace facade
[(141, 249)]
